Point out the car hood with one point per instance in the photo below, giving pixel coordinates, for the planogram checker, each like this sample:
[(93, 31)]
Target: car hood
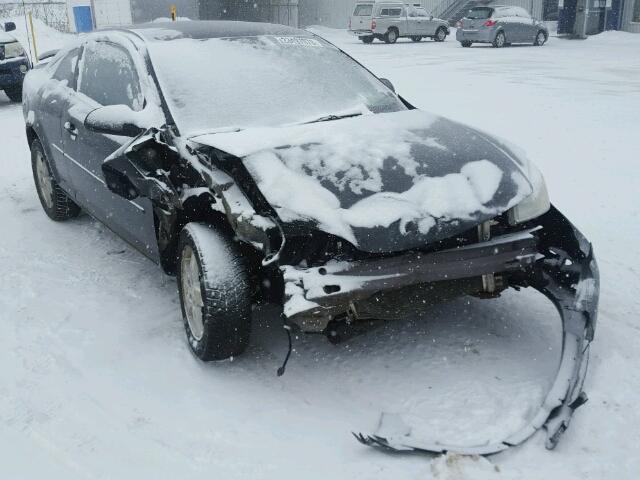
[(385, 182), (6, 37)]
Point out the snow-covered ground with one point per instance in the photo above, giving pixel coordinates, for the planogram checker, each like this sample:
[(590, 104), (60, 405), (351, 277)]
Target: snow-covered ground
[(96, 380)]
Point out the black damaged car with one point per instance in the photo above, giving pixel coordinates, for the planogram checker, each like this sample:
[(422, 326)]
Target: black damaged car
[(259, 162)]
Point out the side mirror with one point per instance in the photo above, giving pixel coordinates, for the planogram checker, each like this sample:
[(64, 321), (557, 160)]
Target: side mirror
[(9, 26), (388, 84), (430, 17), (114, 120)]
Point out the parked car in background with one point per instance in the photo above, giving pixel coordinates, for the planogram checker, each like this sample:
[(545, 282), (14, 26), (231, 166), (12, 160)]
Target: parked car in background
[(500, 26), (14, 63), (389, 21)]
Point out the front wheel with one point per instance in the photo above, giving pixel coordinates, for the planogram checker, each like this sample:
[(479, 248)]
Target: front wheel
[(500, 40), (441, 34), (541, 38), (215, 295), (55, 202), (465, 43), (391, 36), (14, 94)]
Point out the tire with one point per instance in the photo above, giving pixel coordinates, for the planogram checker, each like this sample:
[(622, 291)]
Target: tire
[(541, 38), (391, 36), (465, 43), (366, 40), (416, 38), (500, 40), (14, 94), (55, 202), (441, 34), (215, 293)]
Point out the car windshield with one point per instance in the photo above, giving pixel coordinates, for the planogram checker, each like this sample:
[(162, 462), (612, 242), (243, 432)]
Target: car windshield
[(480, 13), (363, 11), (241, 82)]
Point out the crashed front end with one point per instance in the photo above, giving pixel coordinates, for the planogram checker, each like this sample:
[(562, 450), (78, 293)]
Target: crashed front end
[(547, 253), (379, 217)]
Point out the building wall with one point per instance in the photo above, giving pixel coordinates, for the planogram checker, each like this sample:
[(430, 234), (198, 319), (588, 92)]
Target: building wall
[(631, 16), (148, 10), (111, 12)]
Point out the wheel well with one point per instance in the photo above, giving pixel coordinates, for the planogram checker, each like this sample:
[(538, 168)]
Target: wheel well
[(31, 135), (168, 228)]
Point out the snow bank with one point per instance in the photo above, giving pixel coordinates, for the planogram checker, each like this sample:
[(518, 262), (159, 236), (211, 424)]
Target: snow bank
[(47, 38)]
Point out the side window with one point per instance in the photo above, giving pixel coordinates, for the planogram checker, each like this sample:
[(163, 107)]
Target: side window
[(395, 12), (384, 12), (411, 12), (521, 12), (66, 69), (422, 12), (109, 77)]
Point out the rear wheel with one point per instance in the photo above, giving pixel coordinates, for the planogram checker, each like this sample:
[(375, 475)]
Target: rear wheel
[(215, 293), (14, 94), (55, 202), (541, 38), (366, 39), (465, 43), (500, 40), (441, 34), (391, 36), (416, 38)]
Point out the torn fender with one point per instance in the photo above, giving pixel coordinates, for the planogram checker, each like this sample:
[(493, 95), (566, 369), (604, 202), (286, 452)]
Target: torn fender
[(568, 276)]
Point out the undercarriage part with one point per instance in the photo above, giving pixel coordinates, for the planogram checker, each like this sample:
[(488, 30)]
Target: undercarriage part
[(327, 291), (568, 276)]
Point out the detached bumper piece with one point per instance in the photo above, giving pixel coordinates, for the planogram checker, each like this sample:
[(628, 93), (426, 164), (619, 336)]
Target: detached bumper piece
[(567, 274)]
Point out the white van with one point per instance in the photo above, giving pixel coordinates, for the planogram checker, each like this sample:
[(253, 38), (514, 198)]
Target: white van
[(389, 21)]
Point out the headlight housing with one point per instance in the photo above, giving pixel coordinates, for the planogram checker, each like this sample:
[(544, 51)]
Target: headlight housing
[(535, 204), (13, 50)]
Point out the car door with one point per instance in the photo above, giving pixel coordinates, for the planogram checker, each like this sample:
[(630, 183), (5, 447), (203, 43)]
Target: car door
[(528, 28), (509, 22), (426, 23), (107, 76), (53, 96)]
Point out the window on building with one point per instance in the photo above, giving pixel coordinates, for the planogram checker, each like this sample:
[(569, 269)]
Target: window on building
[(363, 11), (636, 12)]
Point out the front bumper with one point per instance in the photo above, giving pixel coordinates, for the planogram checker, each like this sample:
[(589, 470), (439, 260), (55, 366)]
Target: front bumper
[(11, 71), (566, 272), (329, 290), (362, 33)]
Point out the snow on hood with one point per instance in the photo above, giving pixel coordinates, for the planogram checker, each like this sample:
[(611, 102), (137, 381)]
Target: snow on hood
[(384, 182)]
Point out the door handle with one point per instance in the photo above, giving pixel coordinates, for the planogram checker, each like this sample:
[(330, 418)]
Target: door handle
[(71, 128)]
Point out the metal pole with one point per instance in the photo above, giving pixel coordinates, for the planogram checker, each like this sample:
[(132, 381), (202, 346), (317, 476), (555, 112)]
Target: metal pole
[(26, 27), (33, 35)]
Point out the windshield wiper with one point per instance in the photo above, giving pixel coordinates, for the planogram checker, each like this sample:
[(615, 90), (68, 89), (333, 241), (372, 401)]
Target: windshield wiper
[(330, 118)]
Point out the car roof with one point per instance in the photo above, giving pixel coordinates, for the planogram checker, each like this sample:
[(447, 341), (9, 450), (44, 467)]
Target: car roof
[(203, 29)]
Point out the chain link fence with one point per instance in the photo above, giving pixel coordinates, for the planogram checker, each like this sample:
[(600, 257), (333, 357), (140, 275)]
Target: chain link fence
[(52, 13)]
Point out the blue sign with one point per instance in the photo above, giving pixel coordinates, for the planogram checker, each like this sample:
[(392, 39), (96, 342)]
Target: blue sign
[(83, 19)]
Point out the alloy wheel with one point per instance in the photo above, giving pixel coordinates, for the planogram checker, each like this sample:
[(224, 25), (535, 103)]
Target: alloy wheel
[(192, 292)]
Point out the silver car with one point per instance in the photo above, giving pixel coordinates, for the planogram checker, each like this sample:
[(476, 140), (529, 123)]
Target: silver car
[(389, 21), (500, 26)]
